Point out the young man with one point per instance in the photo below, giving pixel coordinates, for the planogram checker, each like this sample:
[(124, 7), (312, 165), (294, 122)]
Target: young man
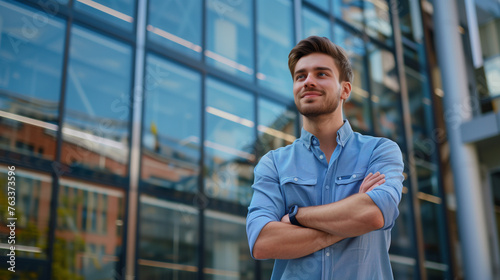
[(324, 206)]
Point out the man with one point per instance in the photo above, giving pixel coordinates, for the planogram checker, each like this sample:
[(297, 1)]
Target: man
[(324, 206)]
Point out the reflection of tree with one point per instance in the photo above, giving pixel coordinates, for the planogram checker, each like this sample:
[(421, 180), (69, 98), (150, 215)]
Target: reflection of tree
[(64, 260)]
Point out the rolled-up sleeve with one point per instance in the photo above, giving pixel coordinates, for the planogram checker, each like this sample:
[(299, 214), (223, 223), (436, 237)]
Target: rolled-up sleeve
[(267, 202), (387, 159)]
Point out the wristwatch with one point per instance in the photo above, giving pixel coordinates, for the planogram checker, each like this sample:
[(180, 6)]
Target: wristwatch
[(291, 214)]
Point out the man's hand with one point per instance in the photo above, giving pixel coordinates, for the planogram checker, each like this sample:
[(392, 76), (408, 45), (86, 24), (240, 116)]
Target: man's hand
[(371, 181), (286, 219)]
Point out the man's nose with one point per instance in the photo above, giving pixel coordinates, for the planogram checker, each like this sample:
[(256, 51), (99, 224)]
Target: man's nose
[(310, 81)]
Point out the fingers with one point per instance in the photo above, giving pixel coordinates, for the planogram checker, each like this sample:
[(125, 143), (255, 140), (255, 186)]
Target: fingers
[(371, 181), (380, 182)]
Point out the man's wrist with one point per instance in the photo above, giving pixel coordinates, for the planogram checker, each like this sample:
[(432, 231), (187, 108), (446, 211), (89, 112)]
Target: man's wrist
[(292, 215)]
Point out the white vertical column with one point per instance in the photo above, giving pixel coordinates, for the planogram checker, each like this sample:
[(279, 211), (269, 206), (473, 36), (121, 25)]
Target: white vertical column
[(470, 211), (135, 149)]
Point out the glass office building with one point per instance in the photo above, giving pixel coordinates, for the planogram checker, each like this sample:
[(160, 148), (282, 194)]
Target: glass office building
[(134, 127)]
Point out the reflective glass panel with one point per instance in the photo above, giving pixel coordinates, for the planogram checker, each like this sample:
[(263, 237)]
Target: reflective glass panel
[(89, 231), (229, 142), (402, 242), (31, 53), (25, 197), (117, 12), (227, 253), (168, 240), (356, 109), (171, 128), (230, 36), (176, 24), (432, 230), (323, 4), (385, 93), (96, 121), (378, 20), (275, 40), (410, 19), (315, 24), (277, 126), (404, 268), (349, 10)]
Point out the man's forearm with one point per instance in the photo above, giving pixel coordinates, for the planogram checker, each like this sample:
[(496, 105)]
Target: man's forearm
[(352, 216), (279, 240)]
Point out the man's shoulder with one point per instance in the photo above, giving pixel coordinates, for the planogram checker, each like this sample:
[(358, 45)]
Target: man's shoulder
[(369, 139)]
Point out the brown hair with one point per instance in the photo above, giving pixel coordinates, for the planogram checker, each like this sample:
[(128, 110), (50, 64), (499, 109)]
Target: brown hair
[(316, 44)]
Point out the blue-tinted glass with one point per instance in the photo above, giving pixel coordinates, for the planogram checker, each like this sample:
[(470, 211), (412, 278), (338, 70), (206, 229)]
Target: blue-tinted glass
[(402, 243), (275, 40), (96, 121), (315, 24), (276, 126), (176, 24), (356, 109), (76, 242), (323, 4), (168, 240), (171, 128), (31, 53), (378, 20), (117, 12), (410, 19), (230, 36), (349, 10), (433, 226), (228, 253), (229, 142), (32, 196), (385, 93)]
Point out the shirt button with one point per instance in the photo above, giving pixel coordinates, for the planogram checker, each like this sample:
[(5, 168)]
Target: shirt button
[(339, 178), (354, 176), (327, 187), (321, 156), (327, 254), (295, 179)]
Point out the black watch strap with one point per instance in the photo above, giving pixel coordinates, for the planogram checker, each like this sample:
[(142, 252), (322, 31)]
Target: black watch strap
[(292, 215)]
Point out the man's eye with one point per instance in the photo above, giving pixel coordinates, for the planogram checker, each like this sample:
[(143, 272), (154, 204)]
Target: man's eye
[(322, 74), (298, 77)]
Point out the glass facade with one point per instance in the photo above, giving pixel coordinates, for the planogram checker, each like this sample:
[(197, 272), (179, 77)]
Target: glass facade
[(217, 95)]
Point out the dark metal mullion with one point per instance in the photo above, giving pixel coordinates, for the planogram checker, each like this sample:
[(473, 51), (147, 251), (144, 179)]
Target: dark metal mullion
[(57, 165), (200, 197)]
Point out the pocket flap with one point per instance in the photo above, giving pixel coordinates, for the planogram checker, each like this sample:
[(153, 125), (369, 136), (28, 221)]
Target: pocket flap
[(299, 181), (347, 179)]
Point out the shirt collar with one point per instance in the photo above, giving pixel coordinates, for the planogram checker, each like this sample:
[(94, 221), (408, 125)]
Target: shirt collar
[(343, 134)]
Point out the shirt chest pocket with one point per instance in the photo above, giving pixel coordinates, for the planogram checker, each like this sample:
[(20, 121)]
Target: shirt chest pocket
[(300, 191), (348, 185)]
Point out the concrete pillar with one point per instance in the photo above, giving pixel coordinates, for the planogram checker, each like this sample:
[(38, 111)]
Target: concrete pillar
[(465, 165)]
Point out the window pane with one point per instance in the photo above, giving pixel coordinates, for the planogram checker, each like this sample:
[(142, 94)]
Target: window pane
[(349, 10), (276, 126), (228, 256), (230, 36), (32, 193), (378, 21), (432, 237), (168, 240), (82, 249), (275, 40), (171, 128), (96, 121), (403, 243), (120, 12), (323, 4), (176, 24), (229, 142), (410, 19), (30, 79), (385, 93), (356, 109), (315, 24)]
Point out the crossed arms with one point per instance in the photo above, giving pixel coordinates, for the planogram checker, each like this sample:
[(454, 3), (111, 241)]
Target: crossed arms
[(324, 225)]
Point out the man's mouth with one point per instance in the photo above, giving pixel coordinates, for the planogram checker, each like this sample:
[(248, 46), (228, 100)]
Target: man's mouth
[(310, 94)]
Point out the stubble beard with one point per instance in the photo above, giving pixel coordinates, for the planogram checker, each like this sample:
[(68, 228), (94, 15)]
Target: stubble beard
[(326, 108)]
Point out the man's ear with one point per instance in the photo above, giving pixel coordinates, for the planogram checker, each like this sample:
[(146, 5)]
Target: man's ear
[(346, 90)]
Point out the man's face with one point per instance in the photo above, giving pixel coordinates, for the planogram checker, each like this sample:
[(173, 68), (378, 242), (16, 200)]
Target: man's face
[(316, 86)]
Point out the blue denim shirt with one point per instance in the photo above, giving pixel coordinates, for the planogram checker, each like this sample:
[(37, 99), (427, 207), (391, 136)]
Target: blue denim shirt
[(299, 174)]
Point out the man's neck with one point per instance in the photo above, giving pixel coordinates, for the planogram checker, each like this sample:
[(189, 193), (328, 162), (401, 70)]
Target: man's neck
[(325, 128)]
